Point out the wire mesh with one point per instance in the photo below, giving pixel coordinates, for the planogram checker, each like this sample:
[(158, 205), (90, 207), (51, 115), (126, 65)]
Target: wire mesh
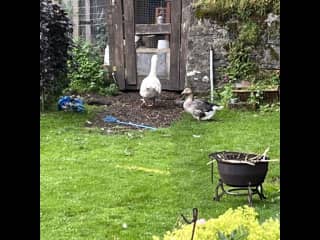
[(145, 10), (89, 19)]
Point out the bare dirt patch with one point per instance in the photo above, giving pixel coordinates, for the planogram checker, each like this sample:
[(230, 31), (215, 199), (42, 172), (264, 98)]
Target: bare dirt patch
[(126, 107)]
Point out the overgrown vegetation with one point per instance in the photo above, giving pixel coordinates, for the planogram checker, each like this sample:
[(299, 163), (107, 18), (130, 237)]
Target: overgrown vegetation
[(226, 94), (234, 224), (241, 65), (55, 42), (223, 10), (247, 21), (86, 73), (136, 185)]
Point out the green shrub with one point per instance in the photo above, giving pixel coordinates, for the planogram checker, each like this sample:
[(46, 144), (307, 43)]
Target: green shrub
[(226, 94), (111, 90), (266, 79), (85, 69), (240, 66), (237, 223), (249, 33)]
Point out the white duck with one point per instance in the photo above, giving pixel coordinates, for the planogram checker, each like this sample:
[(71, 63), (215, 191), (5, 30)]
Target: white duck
[(150, 86), (199, 109)]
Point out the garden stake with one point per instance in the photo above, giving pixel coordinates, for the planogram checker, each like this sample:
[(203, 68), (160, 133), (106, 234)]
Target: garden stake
[(212, 172), (194, 220)]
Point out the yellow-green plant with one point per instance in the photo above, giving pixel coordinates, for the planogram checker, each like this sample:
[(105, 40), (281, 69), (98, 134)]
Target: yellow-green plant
[(226, 224)]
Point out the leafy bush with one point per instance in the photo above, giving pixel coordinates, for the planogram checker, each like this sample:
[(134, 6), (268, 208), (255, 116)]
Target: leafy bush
[(85, 70), (111, 90), (249, 33), (240, 66), (241, 223), (268, 78), (226, 94), (55, 41)]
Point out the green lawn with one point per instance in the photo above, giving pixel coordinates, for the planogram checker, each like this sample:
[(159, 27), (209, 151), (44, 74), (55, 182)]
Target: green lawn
[(92, 184)]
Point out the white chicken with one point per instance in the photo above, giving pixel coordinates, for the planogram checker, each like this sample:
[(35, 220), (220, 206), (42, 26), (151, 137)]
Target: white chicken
[(150, 86)]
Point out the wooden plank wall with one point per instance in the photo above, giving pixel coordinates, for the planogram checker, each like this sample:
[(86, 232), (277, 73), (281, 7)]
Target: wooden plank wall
[(175, 44), (153, 28), (116, 42), (130, 49)]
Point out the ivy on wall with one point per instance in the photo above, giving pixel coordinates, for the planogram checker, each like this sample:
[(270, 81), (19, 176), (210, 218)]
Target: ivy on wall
[(251, 24), (247, 21)]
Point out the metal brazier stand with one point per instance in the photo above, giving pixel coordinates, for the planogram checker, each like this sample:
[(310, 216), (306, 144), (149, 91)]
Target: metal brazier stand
[(242, 172)]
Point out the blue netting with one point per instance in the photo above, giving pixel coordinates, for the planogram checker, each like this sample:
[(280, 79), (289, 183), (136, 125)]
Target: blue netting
[(71, 104)]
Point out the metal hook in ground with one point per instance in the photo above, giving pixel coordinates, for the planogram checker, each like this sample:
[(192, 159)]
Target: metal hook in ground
[(194, 220)]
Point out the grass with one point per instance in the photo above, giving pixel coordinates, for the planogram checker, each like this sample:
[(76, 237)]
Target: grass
[(92, 184)]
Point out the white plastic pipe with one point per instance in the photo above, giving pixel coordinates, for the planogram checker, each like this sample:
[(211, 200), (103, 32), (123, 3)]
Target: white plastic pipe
[(106, 56), (211, 73)]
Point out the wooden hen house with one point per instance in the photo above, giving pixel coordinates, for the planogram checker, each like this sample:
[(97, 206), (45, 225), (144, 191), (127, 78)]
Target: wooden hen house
[(136, 28)]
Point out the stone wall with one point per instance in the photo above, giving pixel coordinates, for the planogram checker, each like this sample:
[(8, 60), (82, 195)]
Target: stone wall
[(205, 33)]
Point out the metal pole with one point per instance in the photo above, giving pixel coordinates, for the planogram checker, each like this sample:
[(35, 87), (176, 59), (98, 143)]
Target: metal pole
[(211, 72)]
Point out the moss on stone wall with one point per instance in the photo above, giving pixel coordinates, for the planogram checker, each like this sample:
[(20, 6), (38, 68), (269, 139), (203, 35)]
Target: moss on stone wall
[(243, 48), (273, 53), (223, 10)]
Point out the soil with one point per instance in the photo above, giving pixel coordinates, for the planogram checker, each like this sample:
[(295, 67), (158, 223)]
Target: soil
[(126, 107)]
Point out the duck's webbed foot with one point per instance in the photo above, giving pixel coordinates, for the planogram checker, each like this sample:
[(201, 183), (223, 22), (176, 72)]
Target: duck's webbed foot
[(153, 101), (144, 103)]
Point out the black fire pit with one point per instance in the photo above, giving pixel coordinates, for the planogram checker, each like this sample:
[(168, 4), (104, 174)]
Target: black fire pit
[(242, 171)]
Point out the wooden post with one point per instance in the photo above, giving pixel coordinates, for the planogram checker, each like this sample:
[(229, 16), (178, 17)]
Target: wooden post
[(168, 12), (130, 49), (116, 42), (185, 23), (87, 19), (75, 18), (175, 44)]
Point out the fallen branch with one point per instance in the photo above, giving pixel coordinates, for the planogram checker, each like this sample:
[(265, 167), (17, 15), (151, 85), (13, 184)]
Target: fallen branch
[(238, 161), (270, 160), (252, 163), (211, 161), (263, 155)]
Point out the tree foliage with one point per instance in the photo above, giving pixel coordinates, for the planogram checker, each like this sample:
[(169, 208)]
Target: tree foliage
[(55, 42)]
